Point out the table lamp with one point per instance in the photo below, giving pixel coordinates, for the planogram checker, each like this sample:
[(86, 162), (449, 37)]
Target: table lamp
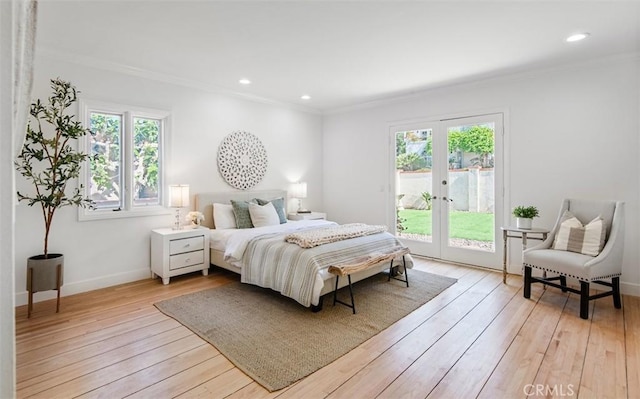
[(300, 192), (178, 198)]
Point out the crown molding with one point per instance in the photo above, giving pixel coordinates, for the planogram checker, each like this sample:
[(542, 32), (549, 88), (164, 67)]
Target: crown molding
[(384, 100), (479, 81), (96, 63)]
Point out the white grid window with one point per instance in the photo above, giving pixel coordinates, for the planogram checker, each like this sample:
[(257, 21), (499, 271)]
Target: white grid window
[(125, 173)]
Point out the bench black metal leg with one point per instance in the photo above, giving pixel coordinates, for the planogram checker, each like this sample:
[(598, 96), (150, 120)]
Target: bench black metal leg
[(335, 295), (335, 292), (353, 303), (406, 275)]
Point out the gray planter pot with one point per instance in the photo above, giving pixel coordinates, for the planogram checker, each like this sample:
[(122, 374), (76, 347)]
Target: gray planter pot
[(44, 274)]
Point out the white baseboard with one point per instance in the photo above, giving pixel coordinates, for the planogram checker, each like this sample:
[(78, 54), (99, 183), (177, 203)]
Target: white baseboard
[(145, 272), (86, 285), (629, 289)]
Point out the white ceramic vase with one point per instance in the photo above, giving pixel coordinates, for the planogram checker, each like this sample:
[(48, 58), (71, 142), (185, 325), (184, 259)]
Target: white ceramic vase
[(524, 223)]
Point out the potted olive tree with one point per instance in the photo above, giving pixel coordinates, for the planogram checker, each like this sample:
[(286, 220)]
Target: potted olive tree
[(49, 161), (524, 216)]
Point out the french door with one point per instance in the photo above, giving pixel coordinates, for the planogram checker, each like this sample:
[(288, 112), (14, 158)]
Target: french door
[(448, 188)]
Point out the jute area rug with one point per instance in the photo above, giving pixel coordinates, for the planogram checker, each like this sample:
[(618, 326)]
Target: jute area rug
[(276, 341)]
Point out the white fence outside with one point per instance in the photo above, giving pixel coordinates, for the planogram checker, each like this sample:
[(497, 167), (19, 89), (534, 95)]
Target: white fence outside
[(471, 189)]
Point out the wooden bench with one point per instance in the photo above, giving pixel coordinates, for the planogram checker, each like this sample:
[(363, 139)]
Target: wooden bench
[(364, 263)]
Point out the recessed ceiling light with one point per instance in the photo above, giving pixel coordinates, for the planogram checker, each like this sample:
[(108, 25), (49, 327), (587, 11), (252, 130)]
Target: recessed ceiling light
[(244, 81), (305, 97), (577, 37)]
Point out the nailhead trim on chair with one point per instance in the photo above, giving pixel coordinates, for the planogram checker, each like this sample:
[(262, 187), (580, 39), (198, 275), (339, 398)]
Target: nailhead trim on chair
[(576, 277)]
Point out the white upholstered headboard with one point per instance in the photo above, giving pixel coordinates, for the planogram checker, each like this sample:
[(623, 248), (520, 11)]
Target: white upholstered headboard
[(204, 201)]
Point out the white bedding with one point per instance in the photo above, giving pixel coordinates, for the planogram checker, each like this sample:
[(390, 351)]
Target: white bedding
[(233, 242), (267, 260)]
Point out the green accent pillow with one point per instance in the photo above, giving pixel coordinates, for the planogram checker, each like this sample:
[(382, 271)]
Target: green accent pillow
[(241, 212), (278, 203)]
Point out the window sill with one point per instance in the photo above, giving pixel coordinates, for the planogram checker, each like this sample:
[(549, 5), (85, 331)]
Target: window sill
[(85, 215)]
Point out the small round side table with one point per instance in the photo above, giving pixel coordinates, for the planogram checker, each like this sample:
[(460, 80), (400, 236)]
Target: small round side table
[(524, 234)]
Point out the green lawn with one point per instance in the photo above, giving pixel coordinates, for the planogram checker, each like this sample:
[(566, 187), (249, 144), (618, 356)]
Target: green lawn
[(469, 225)]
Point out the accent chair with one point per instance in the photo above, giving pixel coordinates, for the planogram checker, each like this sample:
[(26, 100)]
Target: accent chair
[(570, 251)]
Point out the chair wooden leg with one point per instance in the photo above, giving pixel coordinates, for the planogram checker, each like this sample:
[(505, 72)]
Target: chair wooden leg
[(527, 282), (58, 286), (30, 285), (615, 285), (563, 282), (584, 300)]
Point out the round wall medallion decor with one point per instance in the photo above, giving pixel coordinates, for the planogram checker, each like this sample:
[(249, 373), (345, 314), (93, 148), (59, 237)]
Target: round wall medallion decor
[(242, 160)]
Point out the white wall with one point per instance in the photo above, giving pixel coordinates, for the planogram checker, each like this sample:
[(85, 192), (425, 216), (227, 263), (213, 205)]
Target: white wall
[(108, 252), (560, 124), (7, 181), (570, 132)]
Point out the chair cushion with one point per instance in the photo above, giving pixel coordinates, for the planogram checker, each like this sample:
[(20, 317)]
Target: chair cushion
[(573, 236), (586, 210), (571, 264)]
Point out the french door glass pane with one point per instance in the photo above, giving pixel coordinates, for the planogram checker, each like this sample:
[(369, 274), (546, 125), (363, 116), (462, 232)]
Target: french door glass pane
[(105, 180), (146, 165), (414, 184), (471, 178)]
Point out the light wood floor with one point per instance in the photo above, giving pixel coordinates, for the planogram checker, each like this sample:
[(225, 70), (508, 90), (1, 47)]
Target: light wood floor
[(479, 338)]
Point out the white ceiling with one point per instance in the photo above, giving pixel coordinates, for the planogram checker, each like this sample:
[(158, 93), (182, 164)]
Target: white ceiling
[(340, 53)]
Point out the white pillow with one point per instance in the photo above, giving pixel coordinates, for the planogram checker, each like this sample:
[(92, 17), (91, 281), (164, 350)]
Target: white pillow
[(573, 236), (263, 215), (223, 216)]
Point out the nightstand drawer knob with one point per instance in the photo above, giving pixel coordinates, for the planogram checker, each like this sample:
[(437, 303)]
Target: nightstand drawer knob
[(182, 245)]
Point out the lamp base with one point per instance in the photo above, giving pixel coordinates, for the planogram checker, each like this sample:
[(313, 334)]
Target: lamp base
[(303, 211), (176, 225)]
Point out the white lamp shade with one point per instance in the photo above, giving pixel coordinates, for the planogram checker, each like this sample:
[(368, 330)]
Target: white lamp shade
[(299, 190), (179, 195)]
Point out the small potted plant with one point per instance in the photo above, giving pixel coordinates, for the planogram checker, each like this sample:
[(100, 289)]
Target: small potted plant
[(524, 216)]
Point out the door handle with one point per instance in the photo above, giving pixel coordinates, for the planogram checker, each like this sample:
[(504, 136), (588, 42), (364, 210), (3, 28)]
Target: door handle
[(447, 199)]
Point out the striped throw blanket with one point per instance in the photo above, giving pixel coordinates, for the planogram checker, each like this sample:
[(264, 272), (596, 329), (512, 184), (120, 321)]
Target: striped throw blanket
[(314, 237), (271, 262)]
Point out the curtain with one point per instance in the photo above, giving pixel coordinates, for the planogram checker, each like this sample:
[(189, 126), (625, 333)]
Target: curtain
[(24, 29)]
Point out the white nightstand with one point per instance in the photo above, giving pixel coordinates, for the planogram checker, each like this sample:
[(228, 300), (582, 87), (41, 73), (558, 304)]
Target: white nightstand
[(175, 252), (307, 216)]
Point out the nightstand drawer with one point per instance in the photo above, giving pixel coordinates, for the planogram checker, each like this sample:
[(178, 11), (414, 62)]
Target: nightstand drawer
[(307, 216), (186, 245), (186, 260)]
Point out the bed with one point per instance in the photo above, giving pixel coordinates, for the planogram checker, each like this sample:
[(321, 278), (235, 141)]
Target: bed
[(262, 256)]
